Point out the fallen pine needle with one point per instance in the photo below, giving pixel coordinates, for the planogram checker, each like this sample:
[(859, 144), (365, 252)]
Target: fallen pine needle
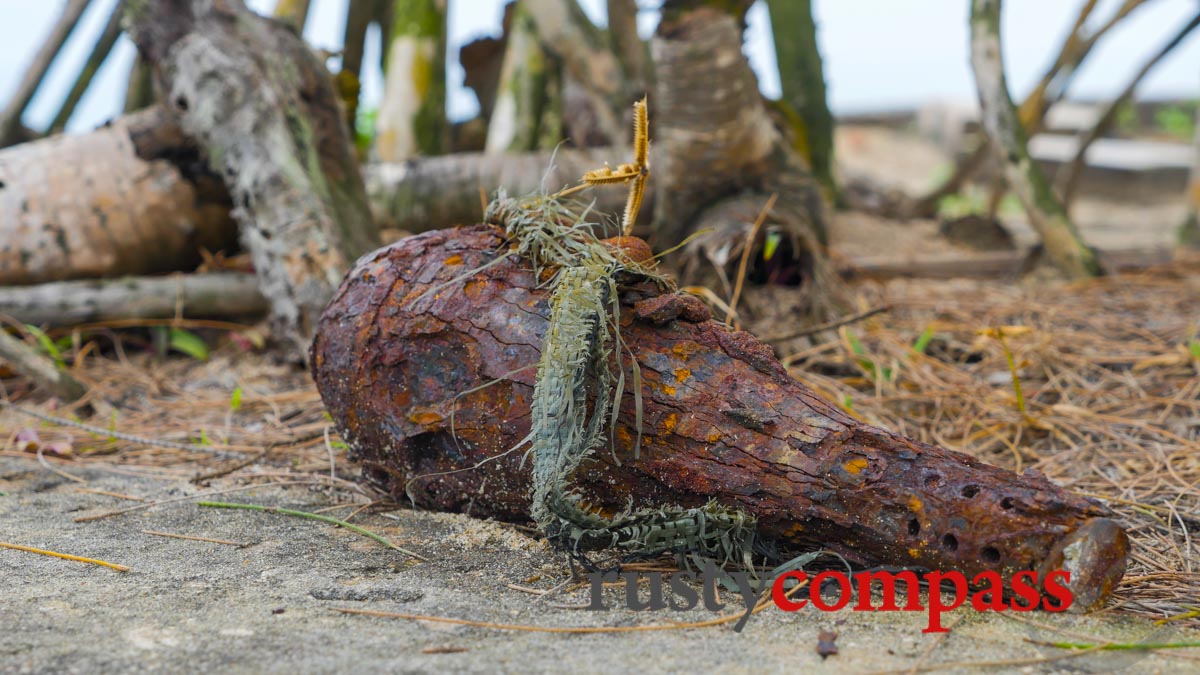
[(106, 493), (64, 556), (529, 629), (1120, 646), (191, 538), (313, 516)]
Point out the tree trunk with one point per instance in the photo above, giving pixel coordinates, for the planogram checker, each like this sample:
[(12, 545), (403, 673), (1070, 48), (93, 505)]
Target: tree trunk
[(293, 13), (70, 303), (632, 52), (133, 197), (1059, 236), (354, 38), (803, 80), (1189, 232), (264, 110), (715, 141), (101, 50), (139, 92), (523, 95), (10, 121), (1069, 175), (424, 386), (1032, 112), (567, 33), (412, 115)]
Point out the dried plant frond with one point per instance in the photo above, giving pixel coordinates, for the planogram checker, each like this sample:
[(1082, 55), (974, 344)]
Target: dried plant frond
[(641, 134), (633, 204), (607, 176)]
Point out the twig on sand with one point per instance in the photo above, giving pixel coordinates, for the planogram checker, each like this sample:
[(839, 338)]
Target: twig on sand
[(314, 516), (189, 537), (65, 556)]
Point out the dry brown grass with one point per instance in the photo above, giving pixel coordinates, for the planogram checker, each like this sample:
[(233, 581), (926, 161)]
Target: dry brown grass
[(1112, 397)]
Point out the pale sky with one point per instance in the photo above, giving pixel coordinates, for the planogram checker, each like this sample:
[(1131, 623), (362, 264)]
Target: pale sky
[(879, 54)]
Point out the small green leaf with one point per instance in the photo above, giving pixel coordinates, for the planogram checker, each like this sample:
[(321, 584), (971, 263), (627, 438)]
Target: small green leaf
[(771, 245), (235, 400), (189, 343), (923, 341), (847, 402), (46, 344), (1194, 348), (855, 345)]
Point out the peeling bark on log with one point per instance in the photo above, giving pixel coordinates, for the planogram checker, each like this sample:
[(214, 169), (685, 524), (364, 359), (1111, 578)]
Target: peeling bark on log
[(264, 110), (132, 197), (66, 303), (722, 420)]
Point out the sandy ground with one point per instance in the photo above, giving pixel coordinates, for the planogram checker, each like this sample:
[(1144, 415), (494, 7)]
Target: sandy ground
[(267, 606)]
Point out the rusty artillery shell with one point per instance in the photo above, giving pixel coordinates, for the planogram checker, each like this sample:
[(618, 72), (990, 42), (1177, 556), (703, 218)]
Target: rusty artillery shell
[(425, 385)]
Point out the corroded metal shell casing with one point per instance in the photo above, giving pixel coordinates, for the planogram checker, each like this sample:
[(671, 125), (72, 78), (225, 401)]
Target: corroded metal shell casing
[(423, 385)]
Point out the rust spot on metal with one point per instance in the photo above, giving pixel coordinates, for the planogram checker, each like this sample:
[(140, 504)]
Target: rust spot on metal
[(855, 466)]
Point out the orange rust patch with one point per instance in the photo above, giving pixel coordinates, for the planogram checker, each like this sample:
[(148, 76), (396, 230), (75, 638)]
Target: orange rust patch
[(915, 504), (425, 418), (914, 553), (667, 389), (682, 374), (454, 260), (624, 437), (474, 287), (669, 423), (713, 436), (684, 350), (855, 466)]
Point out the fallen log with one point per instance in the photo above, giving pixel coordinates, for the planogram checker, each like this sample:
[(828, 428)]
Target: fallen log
[(68, 303), (427, 371), (133, 197), (432, 192)]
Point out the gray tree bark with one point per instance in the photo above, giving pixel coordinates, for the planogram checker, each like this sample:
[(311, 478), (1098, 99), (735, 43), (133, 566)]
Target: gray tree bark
[(68, 303), (264, 110)]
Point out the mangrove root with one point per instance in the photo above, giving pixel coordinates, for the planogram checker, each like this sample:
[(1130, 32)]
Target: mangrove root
[(428, 371)]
